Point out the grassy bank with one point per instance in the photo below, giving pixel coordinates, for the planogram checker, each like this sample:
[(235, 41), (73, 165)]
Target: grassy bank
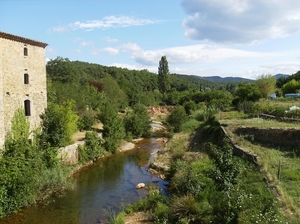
[(240, 194), (279, 164)]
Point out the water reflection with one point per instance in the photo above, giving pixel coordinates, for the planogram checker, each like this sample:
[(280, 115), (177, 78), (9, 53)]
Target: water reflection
[(108, 183)]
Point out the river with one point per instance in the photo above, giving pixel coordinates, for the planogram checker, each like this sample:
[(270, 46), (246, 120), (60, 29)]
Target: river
[(107, 185)]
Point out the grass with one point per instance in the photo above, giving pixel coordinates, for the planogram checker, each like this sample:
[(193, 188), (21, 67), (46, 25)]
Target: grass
[(257, 122), (281, 167)]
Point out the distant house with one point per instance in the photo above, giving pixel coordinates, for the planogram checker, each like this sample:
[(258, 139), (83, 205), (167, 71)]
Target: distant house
[(289, 95), (22, 80)]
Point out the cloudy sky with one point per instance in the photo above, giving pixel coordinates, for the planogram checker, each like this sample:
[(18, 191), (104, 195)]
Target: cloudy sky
[(241, 38)]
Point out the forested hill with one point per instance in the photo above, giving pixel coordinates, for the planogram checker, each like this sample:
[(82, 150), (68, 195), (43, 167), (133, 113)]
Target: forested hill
[(73, 79)]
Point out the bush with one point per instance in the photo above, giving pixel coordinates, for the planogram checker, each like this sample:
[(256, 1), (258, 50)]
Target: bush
[(85, 123), (113, 127), (184, 207), (176, 119), (92, 148), (137, 122), (190, 126), (59, 122)]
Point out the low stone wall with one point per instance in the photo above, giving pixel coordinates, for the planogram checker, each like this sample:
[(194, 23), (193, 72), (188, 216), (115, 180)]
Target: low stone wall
[(238, 151), (274, 136), (69, 153)]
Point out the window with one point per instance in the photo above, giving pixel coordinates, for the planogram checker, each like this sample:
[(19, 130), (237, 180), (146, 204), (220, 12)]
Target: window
[(26, 78), (27, 107), (25, 51)]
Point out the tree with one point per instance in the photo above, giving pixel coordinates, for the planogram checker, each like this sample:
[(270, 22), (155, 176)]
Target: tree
[(291, 87), (163, 75), (137, 122), (247, 92), (266, 85), (113, 127), (59, 122), (177, 118)]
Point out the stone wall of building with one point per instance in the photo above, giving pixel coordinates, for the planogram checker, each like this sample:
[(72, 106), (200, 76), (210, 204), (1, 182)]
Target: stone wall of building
[(14, 89)]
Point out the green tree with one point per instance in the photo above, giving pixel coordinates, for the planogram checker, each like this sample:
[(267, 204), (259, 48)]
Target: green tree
[(113, 127), (163, 75), (20, 165), (247, 92), (177, 118), (137, 121), (59, 122), (62, 70), (113, 91), (292, 86), (266, 85)]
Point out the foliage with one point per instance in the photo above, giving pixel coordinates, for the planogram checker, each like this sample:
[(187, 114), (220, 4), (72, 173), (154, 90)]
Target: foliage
[(247, 92), (59, 122), (113, 127), (85, 123), (190, 125), (137, 121), (92, 148), (176, 119), (292, 86), (163, 75), (205, 113), (217, 98), (245, 106), (190, 106), (114, 93), (266, 85), (61, 69), (26, 171)]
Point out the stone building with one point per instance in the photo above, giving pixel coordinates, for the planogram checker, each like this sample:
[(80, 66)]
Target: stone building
[(22, 80)]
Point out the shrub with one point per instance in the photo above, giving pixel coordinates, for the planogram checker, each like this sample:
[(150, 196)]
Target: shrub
[(137, 122), (85, 123), (189, 126), (184, 207), (92, 149), (176, 119)]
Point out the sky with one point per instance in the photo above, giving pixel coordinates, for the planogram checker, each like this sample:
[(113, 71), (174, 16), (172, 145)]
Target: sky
[(227, 38)]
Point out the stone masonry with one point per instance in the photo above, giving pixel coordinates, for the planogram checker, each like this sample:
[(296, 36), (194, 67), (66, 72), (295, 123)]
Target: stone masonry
[(22, 80)]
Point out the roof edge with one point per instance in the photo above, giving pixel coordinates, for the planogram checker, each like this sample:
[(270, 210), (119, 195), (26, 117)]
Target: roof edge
[(22, 39)]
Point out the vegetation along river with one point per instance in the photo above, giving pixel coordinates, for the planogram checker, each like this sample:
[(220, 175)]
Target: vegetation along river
[(107, 185)]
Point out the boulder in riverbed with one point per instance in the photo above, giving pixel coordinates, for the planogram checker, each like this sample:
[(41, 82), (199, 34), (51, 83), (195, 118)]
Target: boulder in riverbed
[(140, 186)]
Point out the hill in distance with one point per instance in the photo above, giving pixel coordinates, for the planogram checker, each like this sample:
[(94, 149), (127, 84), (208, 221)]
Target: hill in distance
[(227, 79), (236, 79)]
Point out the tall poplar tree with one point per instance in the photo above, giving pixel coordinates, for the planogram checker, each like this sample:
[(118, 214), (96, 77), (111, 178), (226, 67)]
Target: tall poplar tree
[(163, 75)]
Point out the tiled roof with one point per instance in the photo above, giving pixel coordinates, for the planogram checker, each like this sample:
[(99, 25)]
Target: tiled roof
[(22, 39)]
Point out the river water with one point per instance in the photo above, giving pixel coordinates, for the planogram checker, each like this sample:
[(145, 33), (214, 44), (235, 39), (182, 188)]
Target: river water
[(107, 185)]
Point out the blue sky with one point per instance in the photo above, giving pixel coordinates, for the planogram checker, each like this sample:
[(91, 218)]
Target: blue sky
[(240, 38)]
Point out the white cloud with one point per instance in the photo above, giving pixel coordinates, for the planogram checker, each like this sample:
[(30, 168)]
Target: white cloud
[(57, 29), (240, 21), (111, 51), (132, 47), (195, 54), (105, 23), (110, 40)]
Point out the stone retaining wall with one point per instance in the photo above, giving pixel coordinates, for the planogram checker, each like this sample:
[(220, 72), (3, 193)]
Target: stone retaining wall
[(274, 136), (238, 151)]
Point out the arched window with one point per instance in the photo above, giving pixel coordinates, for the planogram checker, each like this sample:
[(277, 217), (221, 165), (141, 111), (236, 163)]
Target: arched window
[(25, 51), (27, 107), (26, 78)]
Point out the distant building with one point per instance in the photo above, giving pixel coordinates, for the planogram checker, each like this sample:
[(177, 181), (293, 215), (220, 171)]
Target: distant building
[(293, 95), (22, 80)]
